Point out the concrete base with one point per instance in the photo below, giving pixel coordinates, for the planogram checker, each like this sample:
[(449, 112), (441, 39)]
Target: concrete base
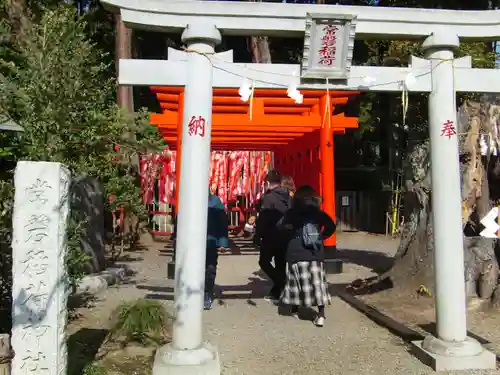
[(334, 266), (171, 270), (453, 356), (171, 361)]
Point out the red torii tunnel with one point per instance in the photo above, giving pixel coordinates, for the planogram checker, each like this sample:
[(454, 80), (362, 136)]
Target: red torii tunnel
[(301, 136)]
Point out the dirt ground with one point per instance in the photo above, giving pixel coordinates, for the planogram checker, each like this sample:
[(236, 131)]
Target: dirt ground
[(252, 337), (417, 311)]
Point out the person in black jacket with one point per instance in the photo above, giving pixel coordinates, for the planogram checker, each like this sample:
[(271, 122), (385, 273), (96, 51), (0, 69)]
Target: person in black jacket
[(305, 275), (272, 243)]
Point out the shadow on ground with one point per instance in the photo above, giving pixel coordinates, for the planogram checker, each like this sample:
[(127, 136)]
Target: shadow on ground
[(397, 328), (305, 313), (77, 301), (128, 258), (431, 329), (373, 260), (83, 346), (256, 288), (238, 246)]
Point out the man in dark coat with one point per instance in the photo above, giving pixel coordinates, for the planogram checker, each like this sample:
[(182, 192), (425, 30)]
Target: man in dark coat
[(275, 203)]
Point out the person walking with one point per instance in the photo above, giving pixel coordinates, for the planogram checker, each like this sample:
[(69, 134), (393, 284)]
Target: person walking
[(268, 238), (217, 239), (288, 183), (307, 226)]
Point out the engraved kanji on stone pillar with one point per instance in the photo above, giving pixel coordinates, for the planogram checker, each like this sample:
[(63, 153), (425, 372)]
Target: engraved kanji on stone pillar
[(40, 284)]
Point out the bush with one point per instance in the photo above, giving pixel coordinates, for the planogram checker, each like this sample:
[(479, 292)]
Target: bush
[(94, 369), (142, 321), (55, 83)]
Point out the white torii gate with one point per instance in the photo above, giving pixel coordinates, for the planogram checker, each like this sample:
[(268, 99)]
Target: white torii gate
[(199, 69)]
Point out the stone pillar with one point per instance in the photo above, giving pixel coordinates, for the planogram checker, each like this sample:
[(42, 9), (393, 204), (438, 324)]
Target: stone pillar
[(188, 354), (451, 349), (40, 286)]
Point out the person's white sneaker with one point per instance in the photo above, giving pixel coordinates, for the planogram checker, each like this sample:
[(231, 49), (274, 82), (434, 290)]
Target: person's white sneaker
[(319, 321), (272, 297)]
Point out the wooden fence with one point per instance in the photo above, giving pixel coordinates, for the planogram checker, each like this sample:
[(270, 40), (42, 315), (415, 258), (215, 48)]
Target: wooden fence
[(364, 211)]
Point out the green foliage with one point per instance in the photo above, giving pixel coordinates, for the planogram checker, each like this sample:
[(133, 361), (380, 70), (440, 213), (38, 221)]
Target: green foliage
[(398, 53), (57, 85), (379, 113), (7, 194), (441, 4), (142, 321), (94, 369), (76, 259), (482, 57)]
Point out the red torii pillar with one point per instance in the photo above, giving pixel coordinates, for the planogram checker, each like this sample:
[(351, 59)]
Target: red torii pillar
[(299, 159), (327, 166)]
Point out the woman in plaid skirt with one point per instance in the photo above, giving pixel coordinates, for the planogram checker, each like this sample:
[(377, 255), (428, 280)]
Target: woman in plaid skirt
[(307, 226)]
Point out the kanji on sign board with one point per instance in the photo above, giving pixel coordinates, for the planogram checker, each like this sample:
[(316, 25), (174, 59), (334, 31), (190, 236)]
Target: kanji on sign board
[(448, 129), (328, 48), (196, 126)]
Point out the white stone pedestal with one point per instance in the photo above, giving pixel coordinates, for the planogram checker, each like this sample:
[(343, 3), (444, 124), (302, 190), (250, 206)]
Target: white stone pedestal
[(39, 288), (171, 361), (449, 356)]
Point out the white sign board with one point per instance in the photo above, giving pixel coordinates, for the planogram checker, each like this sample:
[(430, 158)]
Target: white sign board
[(490, 224), (345, 201), (328, 46)]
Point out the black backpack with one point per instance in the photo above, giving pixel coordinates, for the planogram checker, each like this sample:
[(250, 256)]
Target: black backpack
[(310, 233)]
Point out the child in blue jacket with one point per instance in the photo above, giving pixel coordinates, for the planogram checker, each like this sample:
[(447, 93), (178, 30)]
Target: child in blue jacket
[(217, 238)]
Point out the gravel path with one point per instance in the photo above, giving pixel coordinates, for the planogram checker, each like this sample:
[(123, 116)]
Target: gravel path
[(254, 339)]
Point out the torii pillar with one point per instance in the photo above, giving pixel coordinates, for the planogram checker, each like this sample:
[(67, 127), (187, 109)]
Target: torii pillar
[(333, 265), (327, 168), (188, 353), (451, 349)]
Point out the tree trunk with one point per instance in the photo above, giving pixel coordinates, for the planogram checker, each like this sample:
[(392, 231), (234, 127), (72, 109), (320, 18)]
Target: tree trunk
[(413, 262), (259, 47), (123, 50), (19, 19), (125, 99)]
